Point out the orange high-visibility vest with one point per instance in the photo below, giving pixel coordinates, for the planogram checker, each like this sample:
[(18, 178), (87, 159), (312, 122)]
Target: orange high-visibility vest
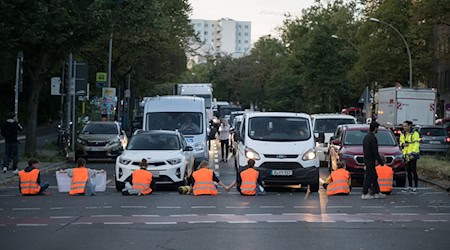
[(339, 183), (203, 182), (249, 183), (28, 182), (385, 178), (141, 180), (79, 179)]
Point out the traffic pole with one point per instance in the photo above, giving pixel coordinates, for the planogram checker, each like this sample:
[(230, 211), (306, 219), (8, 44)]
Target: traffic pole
[(16, 87)]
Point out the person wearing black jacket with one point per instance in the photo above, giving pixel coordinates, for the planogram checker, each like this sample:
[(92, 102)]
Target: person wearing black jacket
[(9, 130), (371, 155)]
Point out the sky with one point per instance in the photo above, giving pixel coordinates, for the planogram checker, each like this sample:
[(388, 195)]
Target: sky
[(265, 15)]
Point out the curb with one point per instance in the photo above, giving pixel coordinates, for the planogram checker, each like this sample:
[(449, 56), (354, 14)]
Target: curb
[(447, 189), (42, 169)]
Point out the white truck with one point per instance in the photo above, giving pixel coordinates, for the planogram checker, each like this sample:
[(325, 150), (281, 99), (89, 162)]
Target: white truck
[(204, 90), (396, 105)]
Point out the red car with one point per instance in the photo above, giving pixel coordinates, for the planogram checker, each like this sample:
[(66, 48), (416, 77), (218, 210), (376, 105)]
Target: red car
[(347, 146)]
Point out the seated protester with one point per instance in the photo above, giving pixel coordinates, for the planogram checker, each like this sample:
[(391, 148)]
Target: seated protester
[(385, 177), (81, 179), (339, 181), (248, 180), (30, 179), (140, 181), (202, 181)]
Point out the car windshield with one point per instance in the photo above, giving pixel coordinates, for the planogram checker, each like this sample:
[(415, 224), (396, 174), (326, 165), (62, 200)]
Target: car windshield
[(356, 137), (188, 123), (330, 125), (433, 132), (154, 142), (100, 128), (279, 129), (226, 110)]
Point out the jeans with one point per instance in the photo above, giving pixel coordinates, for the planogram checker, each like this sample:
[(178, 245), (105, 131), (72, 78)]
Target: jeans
[(224, 144), (411, 169), (11, 153), (371, 179), (43, 187)]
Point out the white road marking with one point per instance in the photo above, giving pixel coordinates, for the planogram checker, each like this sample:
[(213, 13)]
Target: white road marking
[(258, 214), (433, 193), (108, 181), (56, 208), (299, 214), (145, 215), (200, 222), (406, 206), (217, 174), (168, 207), (106, 215), (404, 214), (161, 223), (439, 214), (216, 155), (242, 222), (61, 217), (281, 221), (216, 166), (194, 207), (359, 221), (118, 223), (224, 215), (82, 223), (237, 207), (183, 215), (369, 214), (397, 220), (306, 207), (216, 160), (333, 214), (439, 206), (435, 220), (339, 206), (26, 208), (31, 225), (372, 206), (271, 206), (133, 206)]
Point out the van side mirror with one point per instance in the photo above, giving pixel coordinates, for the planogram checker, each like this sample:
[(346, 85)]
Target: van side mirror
[(321, 138), (336, 142), (188, 148), (237, 135)]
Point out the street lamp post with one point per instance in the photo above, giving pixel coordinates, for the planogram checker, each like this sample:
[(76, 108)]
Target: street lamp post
[(404, 41)]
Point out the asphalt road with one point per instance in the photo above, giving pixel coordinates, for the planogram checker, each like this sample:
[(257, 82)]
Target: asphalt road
[(286, 218)]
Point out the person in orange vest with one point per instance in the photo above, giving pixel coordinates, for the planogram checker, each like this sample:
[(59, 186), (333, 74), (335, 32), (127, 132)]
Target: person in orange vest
[(203, 179), (339, 181), (385, 177), (30, 179), (248, 180), (81, 179), (140, 181)]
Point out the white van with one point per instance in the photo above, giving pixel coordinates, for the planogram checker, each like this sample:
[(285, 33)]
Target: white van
[(187, 114), (282, 145), (326, 124)]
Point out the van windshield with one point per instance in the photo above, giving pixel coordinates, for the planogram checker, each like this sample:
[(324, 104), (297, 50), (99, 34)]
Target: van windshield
[(188, 123), (279, 129), (356, 137), (329, 125)]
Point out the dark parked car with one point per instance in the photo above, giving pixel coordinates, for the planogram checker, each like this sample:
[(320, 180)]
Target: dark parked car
[(434, 139), (348, 148)]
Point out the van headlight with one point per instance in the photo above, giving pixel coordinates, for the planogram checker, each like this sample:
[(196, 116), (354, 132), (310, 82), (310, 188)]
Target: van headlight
[(200, 146), (124, 161), (252, 154), (309, 155), (174, 161), (112, 142)]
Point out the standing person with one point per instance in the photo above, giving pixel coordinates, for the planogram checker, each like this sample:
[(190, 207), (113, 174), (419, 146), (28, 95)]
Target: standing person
[(9, 130), (385, 177), (371, 155), (140, 181), (203, 180), (30, 179), (339, 181), (224, 135), (81, 179), (409, 142), (248, 180)]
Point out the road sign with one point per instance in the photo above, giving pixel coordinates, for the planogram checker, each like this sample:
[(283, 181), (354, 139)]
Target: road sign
[(366, 93), (81, 82), (56, 86), (101, 79)]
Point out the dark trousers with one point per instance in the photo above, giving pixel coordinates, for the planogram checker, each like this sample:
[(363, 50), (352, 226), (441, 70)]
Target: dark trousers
[(371, 179), (11, 153), (224, 144), (411, 169)]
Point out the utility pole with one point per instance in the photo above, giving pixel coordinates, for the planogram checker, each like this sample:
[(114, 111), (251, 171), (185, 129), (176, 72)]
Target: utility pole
[(70, 89), (74, 123), (18, 82)]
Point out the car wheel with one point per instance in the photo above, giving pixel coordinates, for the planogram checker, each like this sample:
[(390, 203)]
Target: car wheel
[(120, 186), (400, 181), (329, 165), (314, 185)]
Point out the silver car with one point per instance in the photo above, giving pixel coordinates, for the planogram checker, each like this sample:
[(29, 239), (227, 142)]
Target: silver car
[(100, 140), (434, 139)]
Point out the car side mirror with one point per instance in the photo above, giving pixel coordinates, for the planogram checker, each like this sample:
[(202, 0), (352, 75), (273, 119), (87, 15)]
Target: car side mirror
[(321, 138), (336, 142), (188, 148), (237, 135)]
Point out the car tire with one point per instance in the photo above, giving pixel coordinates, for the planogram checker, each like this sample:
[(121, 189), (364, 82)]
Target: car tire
[(314, 186), (400, 181), (119, 186)]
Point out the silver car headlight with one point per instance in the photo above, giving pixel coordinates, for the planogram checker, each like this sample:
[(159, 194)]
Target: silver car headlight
[(309, 155), (200, 146), (124, 161), (112, 142), (174, 161), (80, 141)]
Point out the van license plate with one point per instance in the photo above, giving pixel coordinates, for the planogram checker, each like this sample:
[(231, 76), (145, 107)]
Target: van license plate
[(155, 174), (282, 172), (435, 142)]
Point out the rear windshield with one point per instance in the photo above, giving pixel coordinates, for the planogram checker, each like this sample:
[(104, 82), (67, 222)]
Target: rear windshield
[(100, 128), (433, 132), (330, 125), (356, 137)]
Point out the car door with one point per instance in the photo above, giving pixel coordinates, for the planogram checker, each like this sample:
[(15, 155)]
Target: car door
[(188, 155)]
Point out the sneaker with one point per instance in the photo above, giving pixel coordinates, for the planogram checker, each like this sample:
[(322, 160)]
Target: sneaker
[(366, 197), (16, 171), (379, 196), (5, 169), (406, 190), (414, 190)]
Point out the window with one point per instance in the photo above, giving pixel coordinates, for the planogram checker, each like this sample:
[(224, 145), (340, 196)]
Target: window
[(103, 129), (433, 132), (189, 123), (154, 142), (212, 40), (239, 34), (206, 25), (246, 26), (329, 125), (245, 34), (239, 41), (239, 49), (246, 41), (199, 24), (206, 32), (240, 26), (279, 129), (356, 137), (212, 25)]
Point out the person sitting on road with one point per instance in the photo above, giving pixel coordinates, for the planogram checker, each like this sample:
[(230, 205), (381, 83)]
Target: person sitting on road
[(385, 176), (339, 181), (140, 181), (202, 181), (189, 126), (81, 179), (30, 179), (248, 180)]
